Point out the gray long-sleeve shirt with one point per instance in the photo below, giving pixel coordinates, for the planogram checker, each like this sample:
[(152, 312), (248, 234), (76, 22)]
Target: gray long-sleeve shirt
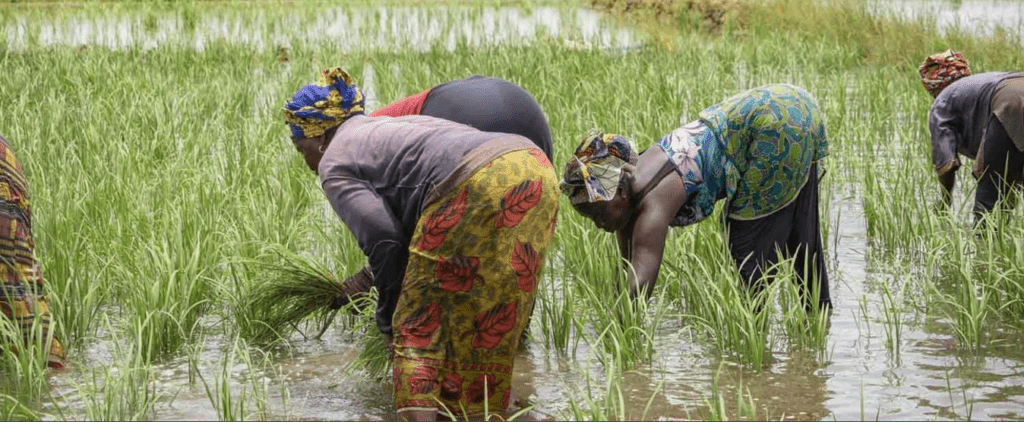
[(378, 173), (959, 117)]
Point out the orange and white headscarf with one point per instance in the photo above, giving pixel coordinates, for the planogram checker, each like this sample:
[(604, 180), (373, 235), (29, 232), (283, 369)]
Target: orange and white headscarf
[(939, 70)]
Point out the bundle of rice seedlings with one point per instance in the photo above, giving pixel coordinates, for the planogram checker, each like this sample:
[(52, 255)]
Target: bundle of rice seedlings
[(294, 291), (297, 292)]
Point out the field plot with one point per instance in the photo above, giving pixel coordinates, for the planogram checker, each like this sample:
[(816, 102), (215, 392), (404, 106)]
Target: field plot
[(166, 191)]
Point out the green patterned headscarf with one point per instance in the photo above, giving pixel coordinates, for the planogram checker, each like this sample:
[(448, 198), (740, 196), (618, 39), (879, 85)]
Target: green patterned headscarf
[(318, 107), (593, 173)]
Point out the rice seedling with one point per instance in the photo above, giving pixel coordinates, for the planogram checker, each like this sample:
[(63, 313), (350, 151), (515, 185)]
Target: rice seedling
[(252, 398), (624, 328), (125, 390), (294, 289), (717, 407), (609, 402), (23, 361), (892, 308), (557, 315), (805, 326)]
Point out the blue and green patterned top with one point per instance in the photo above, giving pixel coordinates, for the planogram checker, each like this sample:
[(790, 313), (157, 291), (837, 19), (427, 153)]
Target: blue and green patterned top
[(755, 149)]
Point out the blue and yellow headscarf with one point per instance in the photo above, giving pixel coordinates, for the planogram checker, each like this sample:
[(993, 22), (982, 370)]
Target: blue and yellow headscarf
[(318, 107), (593, 173)]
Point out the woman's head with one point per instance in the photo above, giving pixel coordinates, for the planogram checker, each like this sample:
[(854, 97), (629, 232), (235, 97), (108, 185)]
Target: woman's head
[(596, 179), (941, 69), (316, 109)]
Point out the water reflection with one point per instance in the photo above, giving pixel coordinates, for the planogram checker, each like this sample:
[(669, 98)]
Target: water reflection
[(343, 29), (973, 17)]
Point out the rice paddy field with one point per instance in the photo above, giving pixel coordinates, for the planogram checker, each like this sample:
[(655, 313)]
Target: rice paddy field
[(167, 194)]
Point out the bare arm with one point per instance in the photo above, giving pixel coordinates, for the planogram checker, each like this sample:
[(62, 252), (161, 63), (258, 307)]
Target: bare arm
[(644, 244), (947, 180)]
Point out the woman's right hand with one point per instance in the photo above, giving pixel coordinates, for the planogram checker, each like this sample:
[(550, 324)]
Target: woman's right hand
[(354, 288)]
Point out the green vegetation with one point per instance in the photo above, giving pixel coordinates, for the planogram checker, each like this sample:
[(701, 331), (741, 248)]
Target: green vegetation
[(171, 209)]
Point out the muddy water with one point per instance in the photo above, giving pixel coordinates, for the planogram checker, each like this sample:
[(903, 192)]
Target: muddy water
[(974, 17), (859, 378)]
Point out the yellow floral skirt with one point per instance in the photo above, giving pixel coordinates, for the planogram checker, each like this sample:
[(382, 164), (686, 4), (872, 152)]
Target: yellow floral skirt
[(470, 284)]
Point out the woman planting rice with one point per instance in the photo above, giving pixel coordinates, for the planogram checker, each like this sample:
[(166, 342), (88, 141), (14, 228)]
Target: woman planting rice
[(455, 223), (757, 150), (980, 117), (21, 299), (488, 104)]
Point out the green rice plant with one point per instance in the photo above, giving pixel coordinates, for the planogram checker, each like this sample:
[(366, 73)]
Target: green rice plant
[(892, 308), (738, 320), (75, 299), (557, 314), (624, 327), (23, 362), (294, 289), (252, 398), (717, 406), (805, 326), (609, 403), (968, 403), (125, 393), (969, 308), (125, 390), (12, 409)]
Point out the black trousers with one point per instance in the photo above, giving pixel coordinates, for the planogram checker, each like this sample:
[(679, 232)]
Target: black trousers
[(1003, 167), (795, 231)]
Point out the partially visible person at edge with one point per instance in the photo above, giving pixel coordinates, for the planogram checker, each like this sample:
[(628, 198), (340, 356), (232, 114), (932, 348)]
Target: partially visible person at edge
[(22, 298), (980, 117), (758, 150), (455, 223), (486, 103)]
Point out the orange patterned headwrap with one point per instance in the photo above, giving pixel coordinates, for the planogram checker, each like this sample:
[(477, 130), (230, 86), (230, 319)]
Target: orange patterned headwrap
[(939, 70)]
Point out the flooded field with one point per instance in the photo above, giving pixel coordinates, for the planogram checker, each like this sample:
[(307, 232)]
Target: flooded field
[(161, 172)]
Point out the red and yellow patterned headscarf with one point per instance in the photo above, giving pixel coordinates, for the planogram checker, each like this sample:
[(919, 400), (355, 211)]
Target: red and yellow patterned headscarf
[(939, 70), (318, 107)]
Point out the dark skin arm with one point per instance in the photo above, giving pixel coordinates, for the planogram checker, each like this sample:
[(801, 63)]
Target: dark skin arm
[(947, 180), (642, 240)]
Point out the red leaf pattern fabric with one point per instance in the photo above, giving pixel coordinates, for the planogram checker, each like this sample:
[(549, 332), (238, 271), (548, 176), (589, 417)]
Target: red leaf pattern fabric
[(458, 273), (437, 225), (541, 158), (475, 391), (423, 380), (524, 262), (451, 386), (517, 201), (417, 330), (491, 326)]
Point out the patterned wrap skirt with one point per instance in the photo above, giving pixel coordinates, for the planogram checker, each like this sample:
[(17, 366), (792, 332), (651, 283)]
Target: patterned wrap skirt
[(21, 299), (470, 284)]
